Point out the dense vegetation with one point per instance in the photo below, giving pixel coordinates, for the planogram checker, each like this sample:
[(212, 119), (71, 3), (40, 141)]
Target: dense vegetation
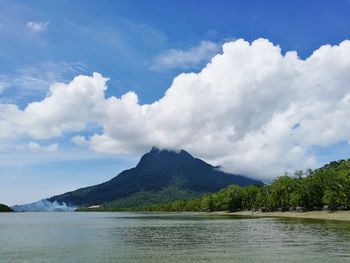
[(328, 186), (5, 208)]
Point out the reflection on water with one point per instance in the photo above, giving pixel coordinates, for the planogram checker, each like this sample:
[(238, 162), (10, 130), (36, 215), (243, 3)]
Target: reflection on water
[(136, 237)]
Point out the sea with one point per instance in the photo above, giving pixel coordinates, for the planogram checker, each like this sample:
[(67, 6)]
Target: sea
[(168, 237)]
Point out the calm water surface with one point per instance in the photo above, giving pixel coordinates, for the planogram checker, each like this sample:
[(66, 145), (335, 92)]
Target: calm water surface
[(162, 237)]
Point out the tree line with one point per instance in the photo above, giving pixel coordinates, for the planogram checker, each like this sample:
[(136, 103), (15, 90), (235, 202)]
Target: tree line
[(327, 187), (5, 208)]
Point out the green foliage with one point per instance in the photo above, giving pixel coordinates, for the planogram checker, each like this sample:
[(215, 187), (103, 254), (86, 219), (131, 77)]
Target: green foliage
[(145, 198), (5, 208), (327, 186)]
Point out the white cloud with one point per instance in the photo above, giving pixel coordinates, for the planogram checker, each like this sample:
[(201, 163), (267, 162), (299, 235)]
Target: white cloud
[(38, 26), (35, 147), (185, 59), (66, 108), (251, 109)]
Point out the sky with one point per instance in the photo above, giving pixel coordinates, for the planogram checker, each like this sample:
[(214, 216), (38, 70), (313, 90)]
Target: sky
[(87, 87)]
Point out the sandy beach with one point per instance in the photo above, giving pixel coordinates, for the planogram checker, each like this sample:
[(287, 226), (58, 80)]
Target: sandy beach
[(325, 215)]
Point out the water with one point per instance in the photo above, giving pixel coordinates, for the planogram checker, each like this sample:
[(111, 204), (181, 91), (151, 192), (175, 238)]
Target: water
[(161, 237)]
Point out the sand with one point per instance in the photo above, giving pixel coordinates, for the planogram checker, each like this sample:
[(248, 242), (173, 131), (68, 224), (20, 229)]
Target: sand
[(326, 215)]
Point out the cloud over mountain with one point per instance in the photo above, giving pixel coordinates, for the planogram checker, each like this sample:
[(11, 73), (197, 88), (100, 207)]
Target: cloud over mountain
[(252, 109)]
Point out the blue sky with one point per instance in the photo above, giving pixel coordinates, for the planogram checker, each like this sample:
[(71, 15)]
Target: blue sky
[(141, 46)]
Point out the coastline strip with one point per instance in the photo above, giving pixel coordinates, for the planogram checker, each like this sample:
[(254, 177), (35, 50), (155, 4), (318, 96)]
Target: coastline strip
[(324, 215)]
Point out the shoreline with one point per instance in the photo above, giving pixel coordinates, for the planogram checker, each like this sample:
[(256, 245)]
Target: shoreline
[(321, 215)]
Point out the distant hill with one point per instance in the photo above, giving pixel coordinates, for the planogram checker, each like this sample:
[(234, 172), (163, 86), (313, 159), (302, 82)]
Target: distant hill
[(5, 208), (160, 176)]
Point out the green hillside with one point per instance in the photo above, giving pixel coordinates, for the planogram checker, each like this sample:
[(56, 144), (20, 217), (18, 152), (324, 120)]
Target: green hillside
[(142, 199)]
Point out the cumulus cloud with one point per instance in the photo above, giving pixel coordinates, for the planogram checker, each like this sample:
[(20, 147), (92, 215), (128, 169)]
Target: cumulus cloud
[(185, 59), (38, 26), (252, 110), (67, 108)]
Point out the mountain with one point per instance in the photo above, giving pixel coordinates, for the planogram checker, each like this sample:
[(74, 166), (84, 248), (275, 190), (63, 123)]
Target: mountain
[(157, 170), (160, 176)]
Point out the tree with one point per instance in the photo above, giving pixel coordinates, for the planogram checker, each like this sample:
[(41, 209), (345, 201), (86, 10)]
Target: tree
[(5, 208)]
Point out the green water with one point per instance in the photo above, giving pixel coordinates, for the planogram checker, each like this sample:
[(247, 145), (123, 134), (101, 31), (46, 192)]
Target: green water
[(161, 237)]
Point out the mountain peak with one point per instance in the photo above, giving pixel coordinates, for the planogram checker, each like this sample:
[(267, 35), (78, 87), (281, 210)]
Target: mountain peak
[(156, 152), (164, 159)]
